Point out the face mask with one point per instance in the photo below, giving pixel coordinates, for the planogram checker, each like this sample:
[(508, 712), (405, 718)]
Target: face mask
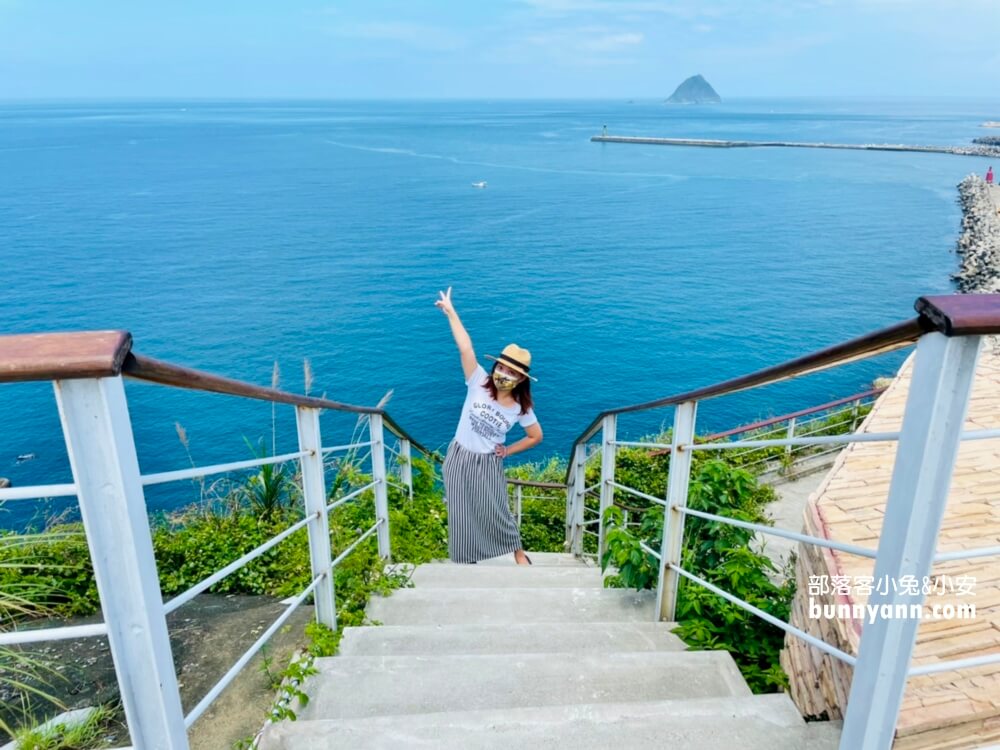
[(504, 382)]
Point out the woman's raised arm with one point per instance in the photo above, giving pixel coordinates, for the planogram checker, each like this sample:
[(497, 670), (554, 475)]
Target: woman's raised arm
[(458, 331)]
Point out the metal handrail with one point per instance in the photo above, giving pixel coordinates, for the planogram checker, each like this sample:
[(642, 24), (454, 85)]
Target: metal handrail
[(948, 330), (846, 437), (229, 676), (340, 558), (778, 623), (165, 373), (879, 342), (529, 483), (795, 414), (206, 583), (637, 493), (87, 370), (852, 549), (345, 447), (94, 354), (36, 491), (952, 315), (351, 495), (204, 471), (61, 633)]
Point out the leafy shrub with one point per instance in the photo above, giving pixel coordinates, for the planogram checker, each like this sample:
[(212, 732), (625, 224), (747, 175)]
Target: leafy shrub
[(722, 555), (46, 573)]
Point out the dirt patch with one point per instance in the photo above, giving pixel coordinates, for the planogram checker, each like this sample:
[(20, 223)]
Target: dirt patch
[(207, 636)]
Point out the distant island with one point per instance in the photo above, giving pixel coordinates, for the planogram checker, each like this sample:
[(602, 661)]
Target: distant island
[(695, 90)]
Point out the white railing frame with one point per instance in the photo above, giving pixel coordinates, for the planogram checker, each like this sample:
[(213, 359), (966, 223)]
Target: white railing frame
[(196, 472), (206, 583), (406, 465), (931, 432), (936, 406), (109, 486), (102, 455), (790, 435), (314, 498), (579, 498), (377, 432), (608, 428), (673, 521)]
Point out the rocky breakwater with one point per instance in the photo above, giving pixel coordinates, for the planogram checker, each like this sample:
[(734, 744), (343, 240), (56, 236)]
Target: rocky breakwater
[(979, 243)]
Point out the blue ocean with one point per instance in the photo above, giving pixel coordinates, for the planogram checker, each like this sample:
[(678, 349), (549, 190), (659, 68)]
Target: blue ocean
[(228, 236)]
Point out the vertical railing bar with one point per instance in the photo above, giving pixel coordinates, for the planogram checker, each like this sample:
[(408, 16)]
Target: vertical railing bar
[(102, 456), (936, 405), (375, 426), (673, 520), (314, 495), (579, 497), (406, 465), (791, 434), (608, 430)]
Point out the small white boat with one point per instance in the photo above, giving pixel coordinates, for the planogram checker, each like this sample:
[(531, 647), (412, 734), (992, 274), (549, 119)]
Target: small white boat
[(25, 457), (479, 184)]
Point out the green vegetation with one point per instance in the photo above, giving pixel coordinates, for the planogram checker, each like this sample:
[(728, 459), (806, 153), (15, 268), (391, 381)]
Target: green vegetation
[(90, 733), (543, 510), (719, 553)]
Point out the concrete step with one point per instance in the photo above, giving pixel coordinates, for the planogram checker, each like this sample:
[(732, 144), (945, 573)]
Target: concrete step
[(540, 559), (823, 735), (507, 606), (451, 576), (361, 686), (762, 722), (536, 638)]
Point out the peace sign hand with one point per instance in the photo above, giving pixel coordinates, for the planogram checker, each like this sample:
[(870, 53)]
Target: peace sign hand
[(444, 302)]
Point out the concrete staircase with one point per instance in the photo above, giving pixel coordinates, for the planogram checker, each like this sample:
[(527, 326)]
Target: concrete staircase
[(500, 656)]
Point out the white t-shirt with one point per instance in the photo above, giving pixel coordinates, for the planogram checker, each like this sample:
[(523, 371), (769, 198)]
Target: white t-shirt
[(485, 422)]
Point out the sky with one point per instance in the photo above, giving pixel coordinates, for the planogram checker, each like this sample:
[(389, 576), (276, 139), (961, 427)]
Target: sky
[(436, 49)]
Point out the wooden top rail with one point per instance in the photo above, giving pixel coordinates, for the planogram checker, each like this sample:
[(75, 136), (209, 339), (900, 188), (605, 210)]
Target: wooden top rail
[(61, 356), (101, 354), (950, 314)]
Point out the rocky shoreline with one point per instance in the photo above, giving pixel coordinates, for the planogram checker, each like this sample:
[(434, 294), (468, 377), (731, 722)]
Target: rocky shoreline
[(979, 243)]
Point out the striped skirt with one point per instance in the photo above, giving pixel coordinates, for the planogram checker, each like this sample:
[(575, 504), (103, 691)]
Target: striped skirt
[(480, 524)]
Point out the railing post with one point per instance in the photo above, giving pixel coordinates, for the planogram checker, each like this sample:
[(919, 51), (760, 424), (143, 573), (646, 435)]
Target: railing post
[(608, 428), (101, 448), (406, 467), (314, 494), (791, 434), (673, 519), (519, 499), (570, 511), (381, 487), (925, 457), (579, 496)]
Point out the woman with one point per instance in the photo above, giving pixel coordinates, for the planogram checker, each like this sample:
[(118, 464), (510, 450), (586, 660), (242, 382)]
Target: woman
[(480, 524)]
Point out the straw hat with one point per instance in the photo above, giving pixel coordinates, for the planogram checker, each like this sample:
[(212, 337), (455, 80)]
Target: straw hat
[(515, 358)]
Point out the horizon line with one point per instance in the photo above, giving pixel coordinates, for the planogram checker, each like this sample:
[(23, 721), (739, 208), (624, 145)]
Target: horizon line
[(606, 99)]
